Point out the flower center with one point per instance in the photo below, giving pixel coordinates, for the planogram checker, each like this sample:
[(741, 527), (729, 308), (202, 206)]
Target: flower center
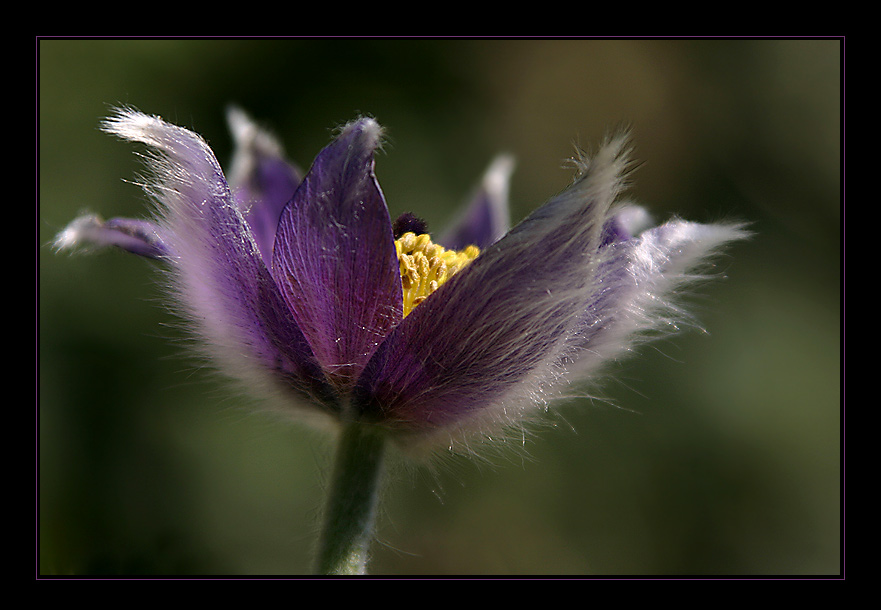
[(425, 266)]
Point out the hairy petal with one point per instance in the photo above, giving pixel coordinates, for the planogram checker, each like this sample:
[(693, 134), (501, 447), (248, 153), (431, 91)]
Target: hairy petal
[(141, 237), (262, 179), (486, 219), (640, 282), (627, 222), (494, 333), (335, 257), (223, 284)]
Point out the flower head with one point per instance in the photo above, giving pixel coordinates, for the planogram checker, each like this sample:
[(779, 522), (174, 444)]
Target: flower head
[(301, 285)]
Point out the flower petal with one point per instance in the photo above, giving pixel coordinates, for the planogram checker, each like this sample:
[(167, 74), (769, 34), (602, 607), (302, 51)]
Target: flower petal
[(496, 331), (486, 219), (335, 257), (223, 284), (262, 180), (640, 280), (627, 221), (140, 237)]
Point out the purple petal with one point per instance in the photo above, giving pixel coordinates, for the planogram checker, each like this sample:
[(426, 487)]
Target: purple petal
[(262, 180), (640, 280), (223, 284), (335, 258), (140, 237), (627, 222), (486, 219), (496, 331)]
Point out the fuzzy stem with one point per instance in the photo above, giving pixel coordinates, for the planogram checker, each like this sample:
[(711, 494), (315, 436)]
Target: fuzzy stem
[(351, 506)]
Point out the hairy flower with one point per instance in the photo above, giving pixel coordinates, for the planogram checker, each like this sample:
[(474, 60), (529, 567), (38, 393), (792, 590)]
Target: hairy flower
[(300, 285)]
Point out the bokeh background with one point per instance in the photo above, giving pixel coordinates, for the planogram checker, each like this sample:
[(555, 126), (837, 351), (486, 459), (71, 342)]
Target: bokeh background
[(720, 453)]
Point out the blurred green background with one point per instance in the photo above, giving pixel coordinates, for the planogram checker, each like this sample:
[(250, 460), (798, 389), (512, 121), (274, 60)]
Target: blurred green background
[(721, 454)]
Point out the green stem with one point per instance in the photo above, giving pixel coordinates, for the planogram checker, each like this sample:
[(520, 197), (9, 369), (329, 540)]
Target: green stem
[(351, 505)]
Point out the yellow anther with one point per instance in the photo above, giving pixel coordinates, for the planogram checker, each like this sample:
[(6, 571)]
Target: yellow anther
[(425, 266)]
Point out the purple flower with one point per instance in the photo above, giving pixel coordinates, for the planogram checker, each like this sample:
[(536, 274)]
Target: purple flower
[(301, 286)]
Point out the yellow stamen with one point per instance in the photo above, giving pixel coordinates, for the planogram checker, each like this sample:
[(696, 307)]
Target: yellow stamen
[(425, 266)]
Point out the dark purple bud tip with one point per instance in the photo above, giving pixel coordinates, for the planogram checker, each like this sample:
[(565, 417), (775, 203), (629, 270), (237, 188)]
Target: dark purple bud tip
[(409, 223)]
